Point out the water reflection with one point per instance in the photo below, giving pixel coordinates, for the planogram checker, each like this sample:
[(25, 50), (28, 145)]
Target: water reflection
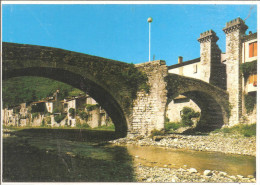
[(44, 158), (177, 158)]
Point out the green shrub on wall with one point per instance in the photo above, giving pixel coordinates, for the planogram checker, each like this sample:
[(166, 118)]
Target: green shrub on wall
[(136, 79), (249, 68), (91, 107), (250, 102)]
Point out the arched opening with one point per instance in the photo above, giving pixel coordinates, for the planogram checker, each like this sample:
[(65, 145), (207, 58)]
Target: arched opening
[(96, 91), (211, 113)]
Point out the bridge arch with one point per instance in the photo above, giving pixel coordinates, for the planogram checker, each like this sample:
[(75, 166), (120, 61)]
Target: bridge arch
[(101, 95), (212, 100), (101, 78)]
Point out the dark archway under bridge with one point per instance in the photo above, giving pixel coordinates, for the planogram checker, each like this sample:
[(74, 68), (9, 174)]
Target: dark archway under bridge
[(212, 101)]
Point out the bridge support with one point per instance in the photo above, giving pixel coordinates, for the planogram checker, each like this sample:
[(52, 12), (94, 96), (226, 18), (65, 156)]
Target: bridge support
[(149, 108), (234, 30)]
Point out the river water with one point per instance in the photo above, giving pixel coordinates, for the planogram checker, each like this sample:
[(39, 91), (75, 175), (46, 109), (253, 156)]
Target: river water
[(42, 156)]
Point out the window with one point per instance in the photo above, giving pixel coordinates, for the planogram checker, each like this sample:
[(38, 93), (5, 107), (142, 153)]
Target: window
[(252, 79), (253, 49)]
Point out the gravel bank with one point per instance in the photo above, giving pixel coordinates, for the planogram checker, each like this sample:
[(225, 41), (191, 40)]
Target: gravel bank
[(156, 174), (214, 142)]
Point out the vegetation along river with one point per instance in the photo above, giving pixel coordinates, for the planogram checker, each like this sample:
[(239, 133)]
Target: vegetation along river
[(55, 155)]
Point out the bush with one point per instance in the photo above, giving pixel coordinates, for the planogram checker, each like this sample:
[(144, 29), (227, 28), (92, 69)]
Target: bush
[(83, 115), (250, 102), (173, 126), (91, 107), (59, 118), (187, 114), (249, 68), (249, 130), (156, 133), (245, 130), (136, 79), (48, 120), (34, 115), (72, 112)]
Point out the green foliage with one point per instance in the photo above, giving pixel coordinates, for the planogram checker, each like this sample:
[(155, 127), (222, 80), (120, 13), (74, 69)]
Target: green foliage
[(72, 112), (249, 68), (26, 89), (59, 118), (91, 107), (135, 79), (156, 133), (43, 123), (83, 125), (250, 102), (241, 129), (249, 130), (58, 108), (35, 114), (83, 115), (48, 120), (106, 127), (187, 114), (170, 126), (39, 107)]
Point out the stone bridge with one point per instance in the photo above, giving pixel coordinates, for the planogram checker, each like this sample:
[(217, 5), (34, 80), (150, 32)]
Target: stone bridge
[(120, 88), (213, 101)]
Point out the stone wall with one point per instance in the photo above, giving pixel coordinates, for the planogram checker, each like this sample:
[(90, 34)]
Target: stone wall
[(234, 31), (211, 69), (149, 108), (174, 108)]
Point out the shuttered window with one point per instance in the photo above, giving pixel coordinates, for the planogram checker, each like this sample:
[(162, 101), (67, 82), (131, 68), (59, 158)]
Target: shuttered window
[(253, 49)]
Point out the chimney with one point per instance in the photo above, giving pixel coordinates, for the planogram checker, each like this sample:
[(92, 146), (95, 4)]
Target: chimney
[(180, 59)]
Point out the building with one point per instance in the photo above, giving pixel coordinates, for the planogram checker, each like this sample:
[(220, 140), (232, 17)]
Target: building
[(223, 70)]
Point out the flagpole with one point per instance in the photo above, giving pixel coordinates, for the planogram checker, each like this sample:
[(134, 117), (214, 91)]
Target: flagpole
[(149, 20)]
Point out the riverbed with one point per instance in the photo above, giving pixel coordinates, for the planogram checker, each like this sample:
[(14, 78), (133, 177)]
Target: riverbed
[(78, 156)]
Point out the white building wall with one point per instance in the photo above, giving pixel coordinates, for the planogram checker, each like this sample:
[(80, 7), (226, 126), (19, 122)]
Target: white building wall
[(190, 70), (174, 109), (49, 107)]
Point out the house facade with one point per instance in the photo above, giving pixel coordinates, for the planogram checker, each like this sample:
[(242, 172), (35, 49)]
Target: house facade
[(223, 70), (43, 112)]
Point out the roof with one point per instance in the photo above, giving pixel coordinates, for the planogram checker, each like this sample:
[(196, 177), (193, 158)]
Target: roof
[(249, 37), (38, 102), (180, 97), (184, 63)]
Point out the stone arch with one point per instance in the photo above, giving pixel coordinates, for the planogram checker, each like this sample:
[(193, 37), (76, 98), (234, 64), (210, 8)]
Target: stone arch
[(101, 95), (107, 77), (212, 100)]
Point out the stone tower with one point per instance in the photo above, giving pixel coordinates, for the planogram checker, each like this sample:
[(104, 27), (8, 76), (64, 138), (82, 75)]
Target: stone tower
[(210, 59), (234, 31)]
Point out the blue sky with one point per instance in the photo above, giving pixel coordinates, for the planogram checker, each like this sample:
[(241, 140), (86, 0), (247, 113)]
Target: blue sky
[(120, 32)]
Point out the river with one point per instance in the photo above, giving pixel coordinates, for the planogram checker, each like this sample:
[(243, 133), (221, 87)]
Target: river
[(56, 155)]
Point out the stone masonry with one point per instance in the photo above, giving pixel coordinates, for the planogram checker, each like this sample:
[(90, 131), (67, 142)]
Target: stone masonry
[(210, 59), (149, 108), (234, 31)]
